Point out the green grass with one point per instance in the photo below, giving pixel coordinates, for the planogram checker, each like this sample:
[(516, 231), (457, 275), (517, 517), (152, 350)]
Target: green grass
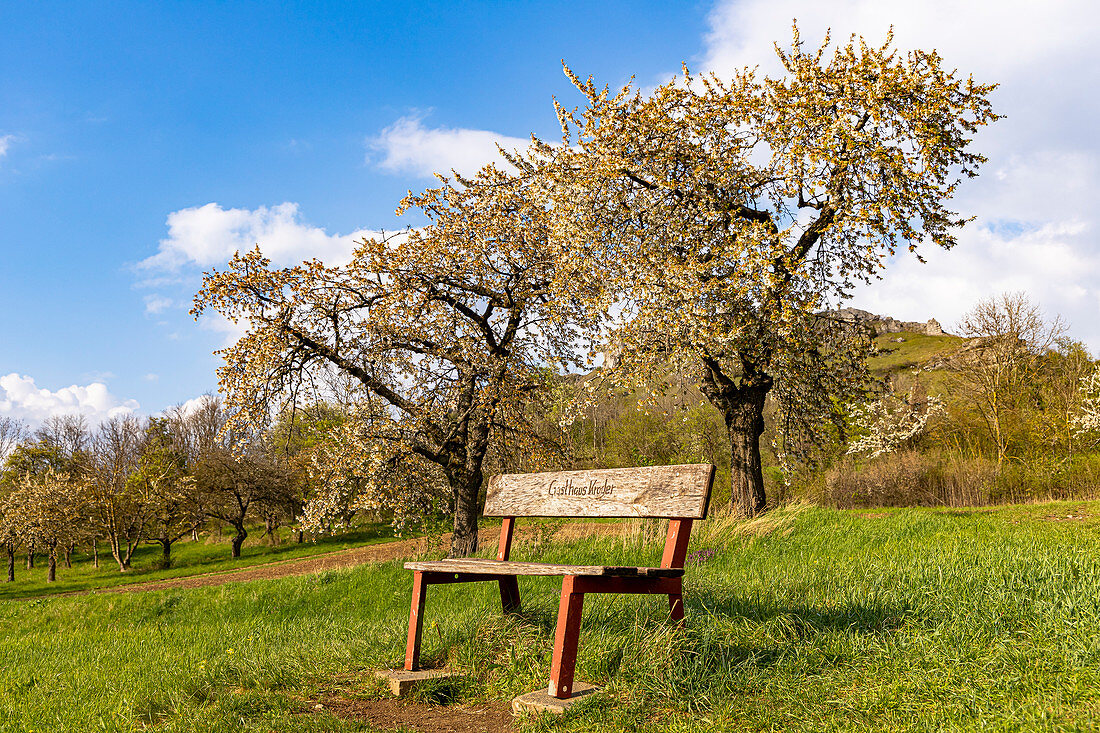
[(210, 554), (918, 349), (809, 619)]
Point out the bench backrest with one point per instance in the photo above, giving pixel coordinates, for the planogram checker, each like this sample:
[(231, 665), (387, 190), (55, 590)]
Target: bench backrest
[(668, 492), (678, 493)]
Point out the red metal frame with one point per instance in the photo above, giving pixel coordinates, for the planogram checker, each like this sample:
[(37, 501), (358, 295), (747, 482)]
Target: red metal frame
[(573, 589)]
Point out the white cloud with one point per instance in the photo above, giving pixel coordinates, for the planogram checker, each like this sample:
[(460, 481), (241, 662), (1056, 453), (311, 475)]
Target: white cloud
[(1036, 223), (21, 398), (5, 144), (157, 304), (409, 147), (208, 236)]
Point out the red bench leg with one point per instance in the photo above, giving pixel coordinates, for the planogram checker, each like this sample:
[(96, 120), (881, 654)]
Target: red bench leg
[(509, 594), (416, 622), (565, 641), (676, 607)]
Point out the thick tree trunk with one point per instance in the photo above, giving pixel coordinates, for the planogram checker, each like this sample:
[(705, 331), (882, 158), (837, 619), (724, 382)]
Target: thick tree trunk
[(165, 552), (11, 565), (238, 539), (301, 536), (742, 408), (745, 423), (51, 573), (30, 560), (464, 489)]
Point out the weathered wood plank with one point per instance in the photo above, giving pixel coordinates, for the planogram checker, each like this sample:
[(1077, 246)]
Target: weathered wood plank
[(653, 491), (498, 567)]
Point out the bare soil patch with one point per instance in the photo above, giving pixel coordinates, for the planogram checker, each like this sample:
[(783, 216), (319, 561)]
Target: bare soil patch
[(490, 717), (383, 552)]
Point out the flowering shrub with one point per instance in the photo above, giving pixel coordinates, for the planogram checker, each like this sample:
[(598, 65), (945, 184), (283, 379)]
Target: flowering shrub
[(891, 422), (1087, 418)]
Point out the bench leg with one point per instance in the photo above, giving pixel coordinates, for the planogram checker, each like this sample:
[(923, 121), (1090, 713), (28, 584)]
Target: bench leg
[(676, 607), (416, 622), (509, 594), (565, 641)]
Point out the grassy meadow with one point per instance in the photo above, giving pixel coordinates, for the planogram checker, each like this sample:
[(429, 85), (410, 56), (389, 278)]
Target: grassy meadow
[(209, 554), (807, 619)]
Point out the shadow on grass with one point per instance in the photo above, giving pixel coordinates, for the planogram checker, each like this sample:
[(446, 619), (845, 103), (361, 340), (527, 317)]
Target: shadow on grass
[(803, 620)]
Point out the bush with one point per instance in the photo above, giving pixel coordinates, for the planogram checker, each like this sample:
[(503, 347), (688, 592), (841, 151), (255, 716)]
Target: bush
[(910, 478)]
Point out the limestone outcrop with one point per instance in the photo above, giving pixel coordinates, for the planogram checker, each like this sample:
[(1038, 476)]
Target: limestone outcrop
[(886, 324)]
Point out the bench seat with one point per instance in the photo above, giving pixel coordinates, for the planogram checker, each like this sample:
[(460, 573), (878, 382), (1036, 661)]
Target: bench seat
[(479, 566)]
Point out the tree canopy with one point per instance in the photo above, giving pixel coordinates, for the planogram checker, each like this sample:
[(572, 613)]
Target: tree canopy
[(720, 217), (435, 335)]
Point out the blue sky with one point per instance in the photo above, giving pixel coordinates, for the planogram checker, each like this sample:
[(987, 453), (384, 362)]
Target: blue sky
[(140, 143)]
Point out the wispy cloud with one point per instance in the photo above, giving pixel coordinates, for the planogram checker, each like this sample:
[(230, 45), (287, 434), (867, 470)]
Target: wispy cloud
[(21, 398), (157, 304), (5, 144), (407, 146)]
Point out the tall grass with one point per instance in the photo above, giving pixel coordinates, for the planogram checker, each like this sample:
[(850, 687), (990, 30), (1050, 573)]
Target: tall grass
[(807, 619), (914, 478)]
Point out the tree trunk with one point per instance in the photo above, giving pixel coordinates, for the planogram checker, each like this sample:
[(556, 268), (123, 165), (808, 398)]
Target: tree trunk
[(51, 573), (301, 536), (238, 539), (122, 558), (165, 552), (68, 556), (742, 408), (464, 489), (746, 424), (30, 560), (95, 554), (11, 565)]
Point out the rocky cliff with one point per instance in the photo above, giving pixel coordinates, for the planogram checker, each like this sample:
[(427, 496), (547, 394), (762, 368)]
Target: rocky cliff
[(885, 324)]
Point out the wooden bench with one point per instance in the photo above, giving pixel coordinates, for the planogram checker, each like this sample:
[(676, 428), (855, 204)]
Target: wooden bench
[(678, 493)]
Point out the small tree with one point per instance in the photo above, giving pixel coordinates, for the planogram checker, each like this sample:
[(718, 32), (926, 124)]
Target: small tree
[(53, 506), (435, 332), (11, 533), (162, 479), (716, 217), (122, 512), (1011, 337)]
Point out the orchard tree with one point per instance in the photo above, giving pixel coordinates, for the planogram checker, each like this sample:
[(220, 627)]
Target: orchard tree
[(11, 531), (53, 508), (122, 513), (720, 215), (232, 470), (438, 331), (167, 489)]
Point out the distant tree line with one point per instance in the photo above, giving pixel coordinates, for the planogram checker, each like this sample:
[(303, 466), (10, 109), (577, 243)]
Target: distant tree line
[(133, 480)]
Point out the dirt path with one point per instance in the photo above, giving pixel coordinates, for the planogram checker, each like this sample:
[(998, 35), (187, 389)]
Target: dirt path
[(382, 552)]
